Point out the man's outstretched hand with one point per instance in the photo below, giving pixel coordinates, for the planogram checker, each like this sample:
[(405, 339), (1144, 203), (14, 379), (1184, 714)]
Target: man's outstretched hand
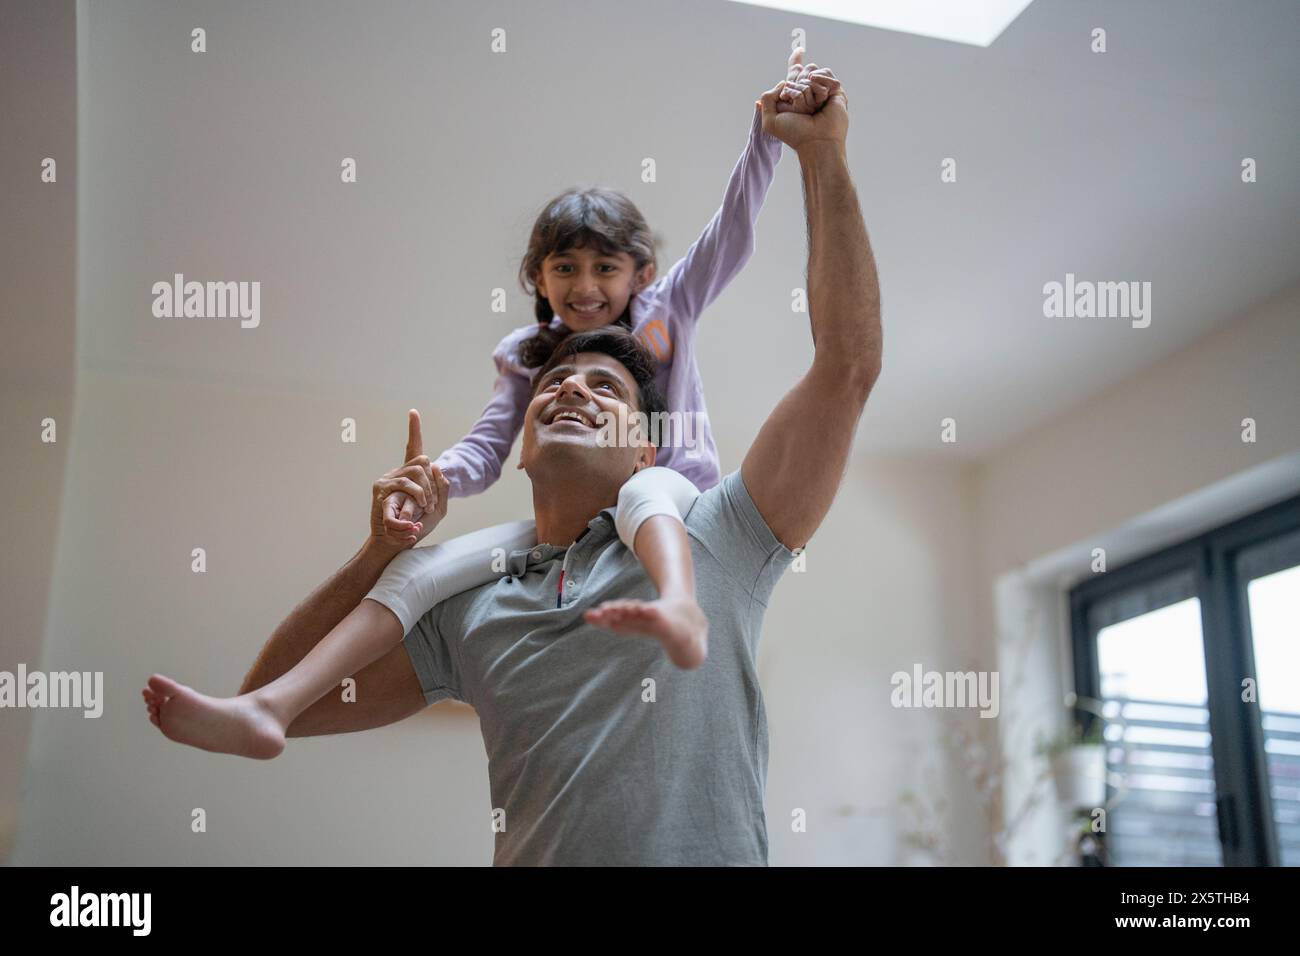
[(402, 497)]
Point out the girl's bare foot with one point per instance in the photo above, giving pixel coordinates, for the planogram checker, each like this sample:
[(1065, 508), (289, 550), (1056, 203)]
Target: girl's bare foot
[(242, 725), (678, 624)]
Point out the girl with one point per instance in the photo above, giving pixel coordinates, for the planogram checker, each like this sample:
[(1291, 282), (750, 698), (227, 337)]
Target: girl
[(590, 262)]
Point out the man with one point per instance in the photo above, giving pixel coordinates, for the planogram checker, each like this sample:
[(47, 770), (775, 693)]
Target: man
[(600, 750)]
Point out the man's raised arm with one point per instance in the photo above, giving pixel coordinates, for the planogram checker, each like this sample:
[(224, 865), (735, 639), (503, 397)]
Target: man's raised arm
[(794, 467)]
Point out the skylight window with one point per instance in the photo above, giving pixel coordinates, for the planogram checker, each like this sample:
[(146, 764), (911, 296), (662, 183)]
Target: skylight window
[(977, 22)]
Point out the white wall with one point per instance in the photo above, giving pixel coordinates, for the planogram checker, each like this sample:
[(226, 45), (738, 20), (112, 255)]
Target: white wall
[(38, 99), (888, 585)]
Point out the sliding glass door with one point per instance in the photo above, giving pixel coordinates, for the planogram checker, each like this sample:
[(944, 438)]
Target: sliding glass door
[(1269, 575), (1194, 656)]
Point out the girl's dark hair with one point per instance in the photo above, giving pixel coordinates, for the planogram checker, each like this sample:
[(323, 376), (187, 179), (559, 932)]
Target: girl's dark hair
[(595, 218)]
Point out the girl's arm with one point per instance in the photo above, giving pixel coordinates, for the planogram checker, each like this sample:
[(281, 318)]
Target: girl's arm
[(727, 242), (474, 463)]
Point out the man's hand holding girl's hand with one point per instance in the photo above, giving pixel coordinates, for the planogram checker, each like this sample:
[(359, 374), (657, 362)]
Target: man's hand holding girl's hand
[(796, 125), (402, 497), (805, 89)]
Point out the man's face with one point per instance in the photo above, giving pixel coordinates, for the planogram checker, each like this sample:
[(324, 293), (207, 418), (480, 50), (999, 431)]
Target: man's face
[(562, 423), (589, 289)]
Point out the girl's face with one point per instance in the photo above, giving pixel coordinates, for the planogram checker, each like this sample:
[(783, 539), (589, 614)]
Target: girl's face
[(589, 289)]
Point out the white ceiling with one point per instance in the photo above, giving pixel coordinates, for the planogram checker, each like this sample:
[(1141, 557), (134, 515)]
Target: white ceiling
[(1115, 166)]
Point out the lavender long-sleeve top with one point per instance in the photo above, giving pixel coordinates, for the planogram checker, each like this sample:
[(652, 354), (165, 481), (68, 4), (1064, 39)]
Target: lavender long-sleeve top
[(663, 317)]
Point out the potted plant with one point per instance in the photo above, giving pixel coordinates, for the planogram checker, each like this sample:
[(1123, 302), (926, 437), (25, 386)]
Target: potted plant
[(1078, 763)]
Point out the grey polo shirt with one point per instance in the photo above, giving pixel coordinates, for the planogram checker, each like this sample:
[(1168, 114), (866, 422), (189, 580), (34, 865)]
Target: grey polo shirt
[(600, 750)]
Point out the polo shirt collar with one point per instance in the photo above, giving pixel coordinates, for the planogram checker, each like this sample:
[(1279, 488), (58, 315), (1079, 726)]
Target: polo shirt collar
[(520, 561)]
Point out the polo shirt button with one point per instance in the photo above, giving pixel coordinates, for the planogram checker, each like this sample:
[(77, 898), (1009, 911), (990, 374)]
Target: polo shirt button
[(537, 555), (573, 584)]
